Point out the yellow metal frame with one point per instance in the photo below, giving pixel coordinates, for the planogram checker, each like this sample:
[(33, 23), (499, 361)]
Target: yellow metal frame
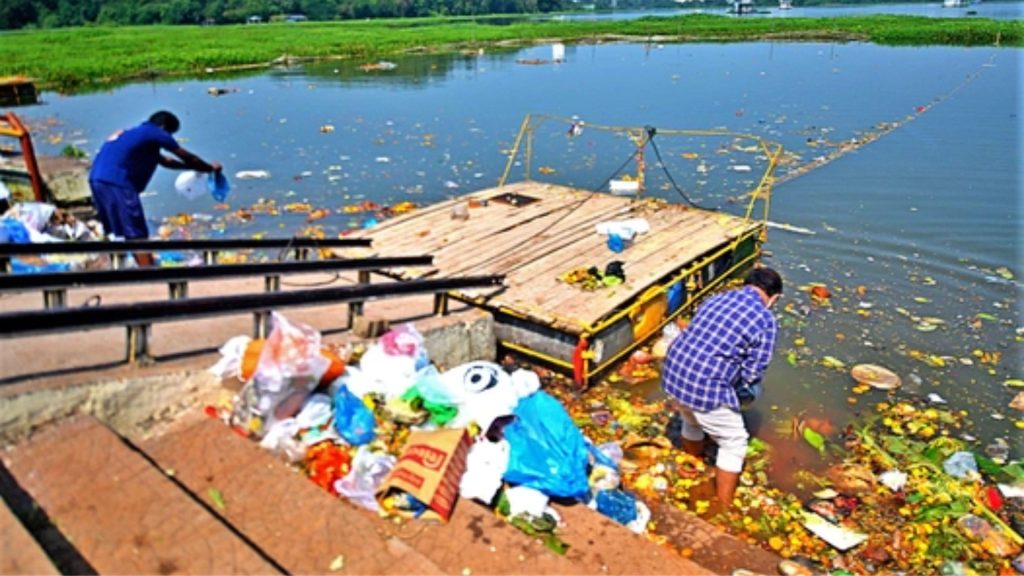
[(761, 193)]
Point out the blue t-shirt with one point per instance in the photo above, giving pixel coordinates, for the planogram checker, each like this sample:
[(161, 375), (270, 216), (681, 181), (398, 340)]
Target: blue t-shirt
[(129, 157)]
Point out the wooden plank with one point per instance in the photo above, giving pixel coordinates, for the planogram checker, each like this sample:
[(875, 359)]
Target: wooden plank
[(646, 262), (555, 234), (497, 218), (19, 552), (444, 207), (301, 526), (583, 308), (639, 277), (437, 233), (593, 250), (437, 220), (534, 244), (121, 514)]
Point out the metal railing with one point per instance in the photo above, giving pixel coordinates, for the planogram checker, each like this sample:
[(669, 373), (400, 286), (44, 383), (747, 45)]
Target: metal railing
[(209, 248), (139, 317), (56, 284)]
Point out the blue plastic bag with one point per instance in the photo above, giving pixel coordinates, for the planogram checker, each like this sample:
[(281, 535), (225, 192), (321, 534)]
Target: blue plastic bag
[(19, 266), (676, 294), (352, 419), (13, 231), (547, 451), (616, 243), (219, 186), (617, 505)]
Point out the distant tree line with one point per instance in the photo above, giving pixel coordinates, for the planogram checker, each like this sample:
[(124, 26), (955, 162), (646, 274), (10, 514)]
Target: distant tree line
[(57, 13), (16, 14)]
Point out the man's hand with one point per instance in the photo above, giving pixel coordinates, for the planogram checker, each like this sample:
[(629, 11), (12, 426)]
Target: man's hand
[(216, 167)]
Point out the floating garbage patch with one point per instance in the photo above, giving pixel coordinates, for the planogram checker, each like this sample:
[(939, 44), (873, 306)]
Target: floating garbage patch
[(385, 429), (899, 490)]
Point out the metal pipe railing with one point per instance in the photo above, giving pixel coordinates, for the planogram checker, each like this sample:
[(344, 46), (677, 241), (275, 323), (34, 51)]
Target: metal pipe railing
[(55, 284), (138, 317)]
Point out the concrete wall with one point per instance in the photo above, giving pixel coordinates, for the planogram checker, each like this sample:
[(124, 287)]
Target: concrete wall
[(135, 404)]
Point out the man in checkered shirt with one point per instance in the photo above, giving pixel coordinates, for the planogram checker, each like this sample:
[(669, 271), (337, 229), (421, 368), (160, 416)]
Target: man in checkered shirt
[(727, 347)]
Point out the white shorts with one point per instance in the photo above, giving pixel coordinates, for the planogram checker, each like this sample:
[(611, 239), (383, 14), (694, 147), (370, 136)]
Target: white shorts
[(725, 426)]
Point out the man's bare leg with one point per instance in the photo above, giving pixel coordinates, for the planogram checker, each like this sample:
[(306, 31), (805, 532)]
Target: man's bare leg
[(693, 447), (725, 486)]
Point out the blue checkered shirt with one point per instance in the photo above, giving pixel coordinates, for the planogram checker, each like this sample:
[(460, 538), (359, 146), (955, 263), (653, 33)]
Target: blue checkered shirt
[(731, 336)]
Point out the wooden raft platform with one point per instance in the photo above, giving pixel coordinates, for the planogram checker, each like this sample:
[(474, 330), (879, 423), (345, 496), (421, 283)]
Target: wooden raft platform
[(549, 231)]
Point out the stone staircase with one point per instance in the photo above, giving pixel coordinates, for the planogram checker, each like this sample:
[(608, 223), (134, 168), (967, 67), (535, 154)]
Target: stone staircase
[(200, 499)]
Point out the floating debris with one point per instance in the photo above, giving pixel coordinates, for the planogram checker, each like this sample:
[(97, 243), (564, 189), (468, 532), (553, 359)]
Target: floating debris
[(875, 376)]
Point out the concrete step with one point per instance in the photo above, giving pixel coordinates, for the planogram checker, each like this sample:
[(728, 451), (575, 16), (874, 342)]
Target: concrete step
[(304, 528), (714, 549), (19, 552), (311, 527), (605, 546), (120, 513)]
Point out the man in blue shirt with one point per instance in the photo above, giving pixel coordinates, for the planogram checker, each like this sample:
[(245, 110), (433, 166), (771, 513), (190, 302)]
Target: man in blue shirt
[(123, 168), (727, 347)]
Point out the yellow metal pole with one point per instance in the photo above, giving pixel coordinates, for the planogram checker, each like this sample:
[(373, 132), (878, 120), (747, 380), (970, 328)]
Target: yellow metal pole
[(514, 152)]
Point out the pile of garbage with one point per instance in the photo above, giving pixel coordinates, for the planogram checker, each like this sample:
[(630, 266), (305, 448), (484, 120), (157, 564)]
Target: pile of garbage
[(388, 431), (40, 222), (904, 488)]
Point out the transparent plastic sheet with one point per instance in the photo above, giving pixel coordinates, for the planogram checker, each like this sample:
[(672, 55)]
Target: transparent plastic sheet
[(369, 469)]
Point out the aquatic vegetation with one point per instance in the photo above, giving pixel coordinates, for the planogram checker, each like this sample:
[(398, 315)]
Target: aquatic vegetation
[(80, 58)]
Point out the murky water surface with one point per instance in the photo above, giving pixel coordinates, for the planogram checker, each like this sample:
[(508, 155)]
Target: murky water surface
[(923, 223)]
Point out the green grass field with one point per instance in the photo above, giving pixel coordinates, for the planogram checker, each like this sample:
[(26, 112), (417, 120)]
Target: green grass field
[(86, 58)]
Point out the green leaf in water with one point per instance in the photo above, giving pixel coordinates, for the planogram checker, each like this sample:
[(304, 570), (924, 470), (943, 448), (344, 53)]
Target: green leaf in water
[(986, 316), (756, 446), (817, 441), (1014, 470), (832, 362)]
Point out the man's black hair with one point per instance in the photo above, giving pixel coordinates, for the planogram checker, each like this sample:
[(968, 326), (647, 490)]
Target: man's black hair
[(166, 120), (766, 279)]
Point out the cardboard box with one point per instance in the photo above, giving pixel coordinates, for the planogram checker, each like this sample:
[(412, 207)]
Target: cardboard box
[(429, 469)]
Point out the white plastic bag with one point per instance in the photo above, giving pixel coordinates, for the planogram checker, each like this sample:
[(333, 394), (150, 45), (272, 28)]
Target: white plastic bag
[(191, 184), (280, 439), (482, 391), (231, 354), (485, 465), (34, 215)]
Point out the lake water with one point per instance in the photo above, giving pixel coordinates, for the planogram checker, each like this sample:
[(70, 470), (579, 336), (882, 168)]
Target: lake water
[(993, 10), (916, 224)]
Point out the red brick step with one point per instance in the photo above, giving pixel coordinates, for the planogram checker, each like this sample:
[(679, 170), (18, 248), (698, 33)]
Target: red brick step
[(302, 527), (122, 514), (19, 552)]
